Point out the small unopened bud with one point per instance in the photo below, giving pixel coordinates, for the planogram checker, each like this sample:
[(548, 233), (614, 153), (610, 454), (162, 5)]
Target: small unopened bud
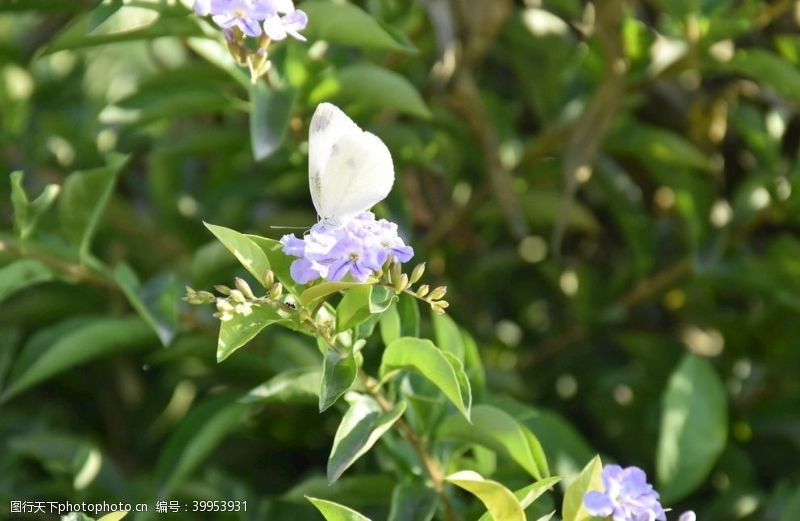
[(401, 283), (438, 293), (237, 296), (443, 304), (269, 279), (199, 297), (224, 290), (394, 273), (244, 288), (439, 310), (223, 306), (423, 290), (417, 273), (244, 309), (189, 291), (275, 292)]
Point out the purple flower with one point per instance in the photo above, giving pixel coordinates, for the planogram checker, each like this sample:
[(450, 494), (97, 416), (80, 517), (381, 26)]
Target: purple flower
[(359, 248), (627, 496), (279, 27), (688, 516), (249, 15)]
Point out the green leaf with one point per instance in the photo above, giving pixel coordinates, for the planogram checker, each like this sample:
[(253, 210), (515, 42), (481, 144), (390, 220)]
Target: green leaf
[(651, 144), (129, 23), (766, 67), (572, 508), (323, 289), (26, 213), (347, 24), (269, 118), (400, 319), (279, 262), (339, 373), (359, 303), (372, 85), (528, 495), (114, 516), (362, 426), (425, 358), (249, 254), (336, 512), (499, 501), (157, 305), (448, 336), (218, 55), (39, 5), (195, 438), (694, 428), (499, 431), (299, 385), (22, 273), (390, 324), (85, 195), (412, 500), (67, 345), (239, 330)]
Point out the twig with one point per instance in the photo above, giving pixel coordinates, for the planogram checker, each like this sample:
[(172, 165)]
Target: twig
[(590, 129)]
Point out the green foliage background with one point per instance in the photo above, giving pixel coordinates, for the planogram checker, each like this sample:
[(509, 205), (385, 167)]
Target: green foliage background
[(603, 188)]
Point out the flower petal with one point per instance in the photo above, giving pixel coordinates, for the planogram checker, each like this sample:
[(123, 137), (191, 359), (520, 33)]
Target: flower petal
[(598, 504)]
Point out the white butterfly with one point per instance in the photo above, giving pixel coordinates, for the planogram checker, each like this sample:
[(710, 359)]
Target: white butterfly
[(349, 170)]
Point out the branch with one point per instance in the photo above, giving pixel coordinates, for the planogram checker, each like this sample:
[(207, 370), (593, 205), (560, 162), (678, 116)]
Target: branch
[(590, 129)]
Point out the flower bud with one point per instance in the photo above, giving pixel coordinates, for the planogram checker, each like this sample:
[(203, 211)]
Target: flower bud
[(237, 296), (417, 273), (401, 283), (224, 290), (244, 288), (276, 291), (438, 293), (269, 279), (394, 273), (443, 304), (423, 290), (439, 310), (205, 297), (223, 306)]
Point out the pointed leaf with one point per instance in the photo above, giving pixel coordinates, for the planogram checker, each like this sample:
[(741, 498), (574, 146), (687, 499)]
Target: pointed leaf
[(244, 249), (572, 508), (694, 428), (239, 330), (26, 213), (279, 262), (157, 308), (85, 195), (499, 431), (425, 358), (527, 495), (114, 516), (323, 289), (293, 386), (46, 354), (499, 501), (336, 512), (373, 85), (362, 426), (347, 24), (339, 373), (269, 118), (22, 273)]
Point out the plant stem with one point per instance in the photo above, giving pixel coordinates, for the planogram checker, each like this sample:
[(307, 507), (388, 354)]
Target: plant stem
[(431, 465)]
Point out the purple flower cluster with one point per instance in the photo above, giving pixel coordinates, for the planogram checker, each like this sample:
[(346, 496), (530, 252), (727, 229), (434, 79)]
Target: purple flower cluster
[(360, 247), (275, 18), (627, 496)]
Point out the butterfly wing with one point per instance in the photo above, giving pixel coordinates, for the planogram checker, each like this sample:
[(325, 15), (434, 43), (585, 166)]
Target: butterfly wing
[(349, 170)]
